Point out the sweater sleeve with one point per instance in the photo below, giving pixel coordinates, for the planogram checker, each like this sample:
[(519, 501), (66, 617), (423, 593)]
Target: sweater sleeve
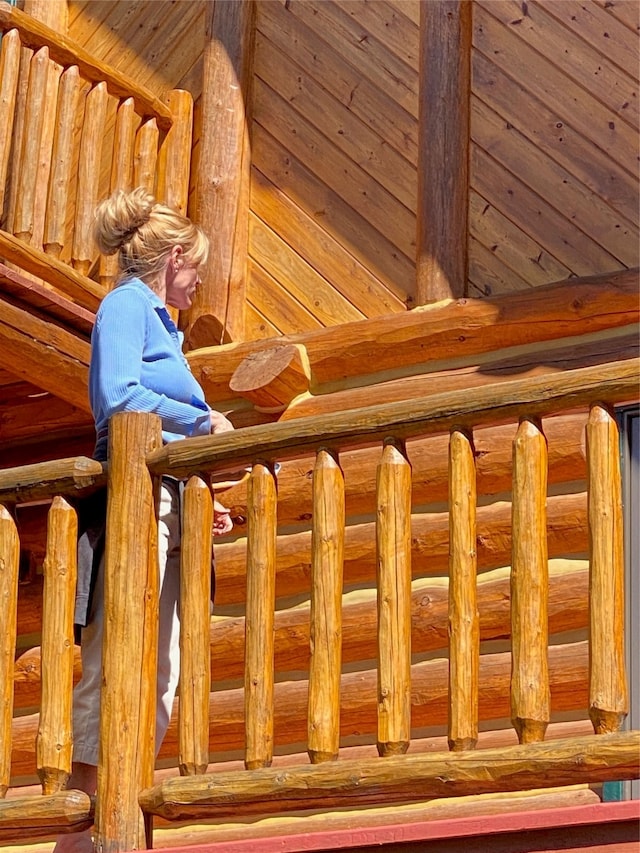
[(117, 352)]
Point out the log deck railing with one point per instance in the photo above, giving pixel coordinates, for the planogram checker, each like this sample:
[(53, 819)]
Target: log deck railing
[(72, 129), (126, 799)]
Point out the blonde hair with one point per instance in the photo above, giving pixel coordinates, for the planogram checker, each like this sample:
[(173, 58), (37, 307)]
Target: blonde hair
[(143, 232)]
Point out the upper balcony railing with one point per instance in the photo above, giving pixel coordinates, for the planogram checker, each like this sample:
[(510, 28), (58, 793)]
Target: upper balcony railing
[(72, 130), (137, 460)]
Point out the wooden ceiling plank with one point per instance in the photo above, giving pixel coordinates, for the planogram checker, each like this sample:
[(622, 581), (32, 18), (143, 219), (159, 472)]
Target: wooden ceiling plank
[(547, 132), (506, 241), (297, 278), (331, 213), (329, 69), (319, 249), (576, 58), (577, 204), (611, 27), (341, 175), (362, 50), (336, 121), (268, 297), (257, 326), (409, 8), (536, 217), (537, 75), (489, 275), (146, 38), (383, 20)]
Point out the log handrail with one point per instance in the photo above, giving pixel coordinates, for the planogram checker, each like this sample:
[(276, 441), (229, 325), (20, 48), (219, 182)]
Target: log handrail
[(35, 35), (540, 395)]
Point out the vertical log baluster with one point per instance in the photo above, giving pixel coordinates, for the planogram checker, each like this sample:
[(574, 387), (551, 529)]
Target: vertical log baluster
[(174, 156), (54, 739), (88, 177), (195, 649), (327, 555), (146, 155), (259, 622), (393, 543), (35, 108), (121, 173), (130, 645), (464, 628), (608, 691), (530, 695), (61, 162), (9, 569), (10, 50), (45, 154), (20, 107)]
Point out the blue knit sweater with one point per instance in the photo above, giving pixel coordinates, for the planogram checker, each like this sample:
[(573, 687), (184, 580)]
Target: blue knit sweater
[(137, 365)]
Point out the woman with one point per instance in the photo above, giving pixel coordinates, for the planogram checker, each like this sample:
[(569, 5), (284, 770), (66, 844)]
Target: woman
[(137, 365)]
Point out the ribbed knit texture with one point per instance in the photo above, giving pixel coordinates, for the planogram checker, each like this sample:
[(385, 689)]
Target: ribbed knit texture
[(137, 365)]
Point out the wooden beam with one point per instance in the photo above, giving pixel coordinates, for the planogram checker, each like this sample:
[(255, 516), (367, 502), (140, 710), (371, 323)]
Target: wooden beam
[(404, 778), (44, 354), (450, 329), (222, 192), (72, 284), (443, 150)]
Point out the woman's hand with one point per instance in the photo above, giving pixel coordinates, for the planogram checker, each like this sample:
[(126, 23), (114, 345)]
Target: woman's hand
[(221, 519), (218, 423)]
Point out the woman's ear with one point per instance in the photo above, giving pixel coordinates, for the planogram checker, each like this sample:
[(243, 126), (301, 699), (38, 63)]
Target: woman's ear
[(175, 257)]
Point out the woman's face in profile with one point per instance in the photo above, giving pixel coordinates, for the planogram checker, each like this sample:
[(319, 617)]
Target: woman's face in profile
[(182, 279)]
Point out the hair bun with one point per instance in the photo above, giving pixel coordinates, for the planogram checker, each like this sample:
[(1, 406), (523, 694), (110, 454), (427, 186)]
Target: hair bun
[(119, 217)]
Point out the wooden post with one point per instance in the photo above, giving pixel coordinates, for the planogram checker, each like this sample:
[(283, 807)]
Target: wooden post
[(217, 315), (55, 739), (9, 569), (195, 650), (443, 150), (530, 696), (608, 692), (130, 645), (261, 586), (393, 544), (327, 553), (464, 621), (88, 177)]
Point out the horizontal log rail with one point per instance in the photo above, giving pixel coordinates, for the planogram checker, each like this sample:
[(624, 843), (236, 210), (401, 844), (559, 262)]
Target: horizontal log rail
[(404, 778)]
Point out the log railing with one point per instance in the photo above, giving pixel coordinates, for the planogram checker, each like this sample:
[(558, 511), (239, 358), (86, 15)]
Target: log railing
[(137, 461), (72, 130), (60, 481)]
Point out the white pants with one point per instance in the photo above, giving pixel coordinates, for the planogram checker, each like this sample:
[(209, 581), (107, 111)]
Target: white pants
[(86, 695)]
